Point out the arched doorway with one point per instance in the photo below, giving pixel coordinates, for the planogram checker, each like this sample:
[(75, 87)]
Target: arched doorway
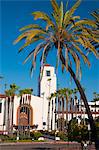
[(24, 116)]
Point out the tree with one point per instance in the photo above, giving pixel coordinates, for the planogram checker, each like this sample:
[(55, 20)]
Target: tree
[(64, 97), (77, 131), (10, 93), (53, 96), (70, 36), (96, 97), (25, 91)]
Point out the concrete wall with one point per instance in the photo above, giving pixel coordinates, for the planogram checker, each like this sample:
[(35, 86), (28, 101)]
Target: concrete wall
[(37, 105), (2, 100)]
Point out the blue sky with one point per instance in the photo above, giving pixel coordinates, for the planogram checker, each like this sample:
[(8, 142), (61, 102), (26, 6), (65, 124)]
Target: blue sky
[(16, 14)]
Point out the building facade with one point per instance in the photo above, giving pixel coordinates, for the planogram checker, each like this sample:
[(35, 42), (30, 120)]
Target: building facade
[(29, 111)]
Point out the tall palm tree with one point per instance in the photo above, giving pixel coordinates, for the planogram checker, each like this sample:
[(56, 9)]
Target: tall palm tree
[(75, 100), (10, 93), (61, 95), (64, 95), (67, 94), (52, 98), (69, 35)]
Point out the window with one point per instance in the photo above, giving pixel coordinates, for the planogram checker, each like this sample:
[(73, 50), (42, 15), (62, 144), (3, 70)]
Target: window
[(48, 73), (44, 123), (0, 107)]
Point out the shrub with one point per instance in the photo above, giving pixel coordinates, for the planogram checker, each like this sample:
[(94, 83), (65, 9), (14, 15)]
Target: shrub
[(36, 134), (62, 136)]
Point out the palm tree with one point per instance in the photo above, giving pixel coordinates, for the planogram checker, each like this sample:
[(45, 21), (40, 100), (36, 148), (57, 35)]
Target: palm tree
[(61, 95), (75, 101), (64, 95), (10, 94), (70, 36), (52, 98), (67, 94)]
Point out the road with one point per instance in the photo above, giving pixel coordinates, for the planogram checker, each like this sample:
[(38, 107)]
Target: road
[(43, 146)]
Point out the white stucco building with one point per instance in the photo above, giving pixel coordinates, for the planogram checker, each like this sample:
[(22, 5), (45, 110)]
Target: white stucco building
[(29, 111)]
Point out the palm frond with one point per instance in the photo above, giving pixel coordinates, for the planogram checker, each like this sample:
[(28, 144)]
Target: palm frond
[(95, 14), (27, 43), (43, 16), (37, 50), (45, 52), (31, 26), (76, 60), (82, 54), (35, 33), (84, 22), (61, 15), (69, 14), (29, 56), (55, 6), (20, 37)]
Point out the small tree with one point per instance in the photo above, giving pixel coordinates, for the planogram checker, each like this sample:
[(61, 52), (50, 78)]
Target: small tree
[(10, 93)]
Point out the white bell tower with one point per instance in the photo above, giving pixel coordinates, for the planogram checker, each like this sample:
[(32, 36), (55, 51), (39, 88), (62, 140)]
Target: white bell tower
[(48, 86)]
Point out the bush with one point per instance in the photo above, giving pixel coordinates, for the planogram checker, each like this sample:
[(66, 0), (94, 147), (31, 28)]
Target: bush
[(62, 136), (7, 138), (36, 134), (52, 133)]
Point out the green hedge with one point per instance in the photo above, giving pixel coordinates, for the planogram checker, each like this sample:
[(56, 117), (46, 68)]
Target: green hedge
[(35, 135)]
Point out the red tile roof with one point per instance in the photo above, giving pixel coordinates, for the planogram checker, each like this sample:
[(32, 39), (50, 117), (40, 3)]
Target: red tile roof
[(2, 96), (47, 65)]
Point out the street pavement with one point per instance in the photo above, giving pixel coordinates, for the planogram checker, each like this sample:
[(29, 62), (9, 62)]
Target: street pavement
[(43, 146)]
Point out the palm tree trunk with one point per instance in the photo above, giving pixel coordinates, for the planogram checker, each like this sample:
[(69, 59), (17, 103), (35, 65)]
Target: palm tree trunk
[(71, 108), (83, 96), (10, 114), (58, 111), (66, 110), (62, 114), (7, 114)]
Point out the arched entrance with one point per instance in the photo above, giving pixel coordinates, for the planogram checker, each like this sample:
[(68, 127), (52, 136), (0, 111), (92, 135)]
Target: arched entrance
[(24, 115)]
